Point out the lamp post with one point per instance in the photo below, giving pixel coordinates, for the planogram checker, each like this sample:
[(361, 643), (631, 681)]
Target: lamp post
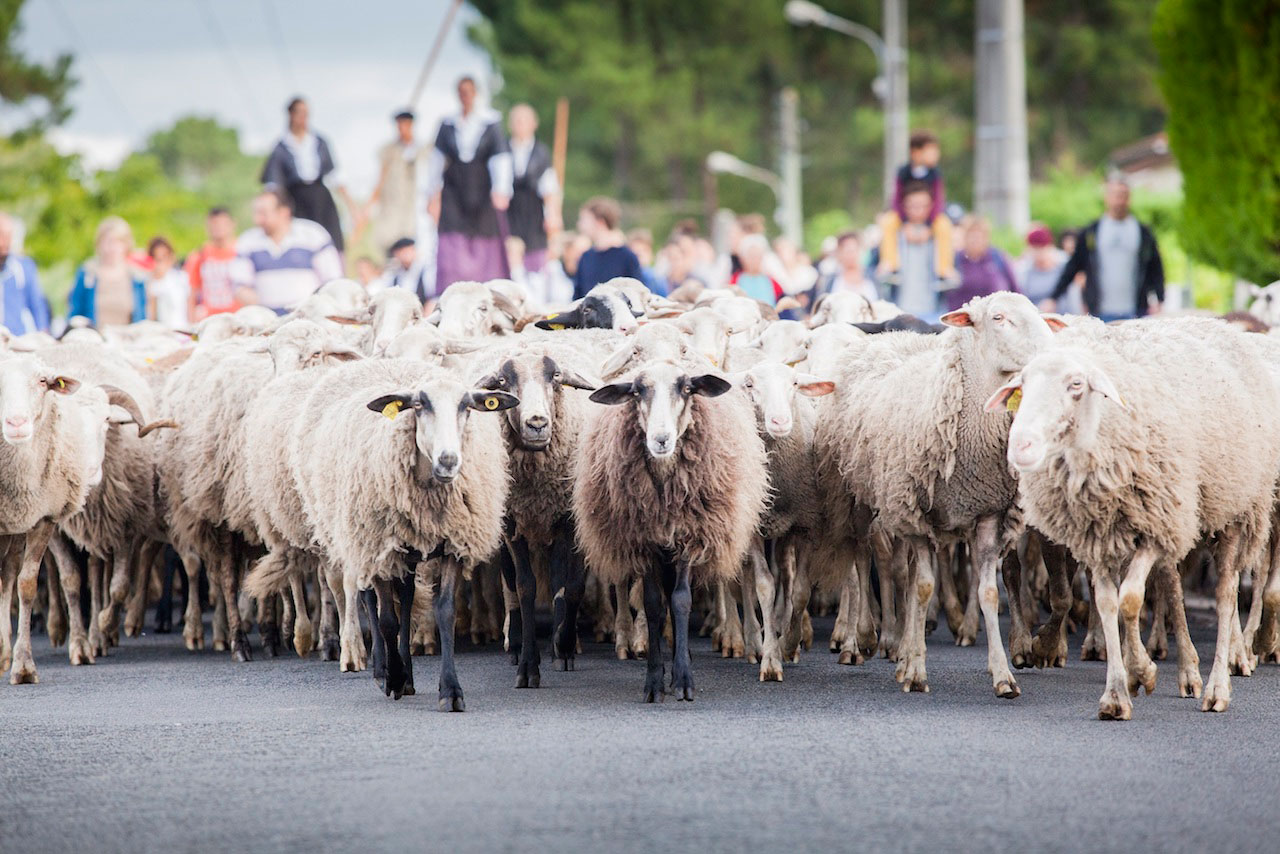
[(724, 163), (891, 58)]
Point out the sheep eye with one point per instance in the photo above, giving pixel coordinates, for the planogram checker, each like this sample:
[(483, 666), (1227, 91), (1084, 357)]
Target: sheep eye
[(1076, 385), (997, 317)]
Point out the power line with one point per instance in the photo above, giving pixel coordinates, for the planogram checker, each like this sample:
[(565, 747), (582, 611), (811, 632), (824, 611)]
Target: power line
[(277, 36), (434, 53), (220, 38), (103, 81)]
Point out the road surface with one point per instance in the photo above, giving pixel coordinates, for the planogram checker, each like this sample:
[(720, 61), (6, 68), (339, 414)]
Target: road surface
[(157, 749)]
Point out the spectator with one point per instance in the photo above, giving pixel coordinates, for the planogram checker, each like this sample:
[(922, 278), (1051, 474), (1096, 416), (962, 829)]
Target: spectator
[(169, 291), (23, 304), (555, 286), (404, 270), (752, 280), (469, 189), (514, 247), (608, 257), (982, 268), (1123, 273), (284, 259), (209, 268), (1039, 268), (299, 164), (396, 193), (367, 271), (107, 291), (535, 190), (916, 285), (640, 241), (849, 274), (791, 267), (921, 169)]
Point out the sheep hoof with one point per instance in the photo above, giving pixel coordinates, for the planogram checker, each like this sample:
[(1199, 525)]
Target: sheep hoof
[(24, 666), (1007, 689), (270, 634), (849, 657), (1093, 650), (565, 665), (930, 626), (1114, 706), (1158, 647), (164, 623), (240, 650), (653, 686), (912, 675), (1189, 682), (452, 704), (529, 676), (770, 671), (622, 652), (331, 649), (408, 690), (1142, 680), (79, 652), (193, 639), (966, 638)]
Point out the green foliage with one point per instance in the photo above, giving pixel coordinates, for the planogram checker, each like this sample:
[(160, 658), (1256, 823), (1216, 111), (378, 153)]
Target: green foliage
[(165, 189), (22, 81), (655, 85), (1220, 71), (823, 225)]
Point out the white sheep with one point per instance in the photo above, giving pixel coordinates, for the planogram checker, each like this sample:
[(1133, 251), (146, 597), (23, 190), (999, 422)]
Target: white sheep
[(1131, 444), (425, 482)]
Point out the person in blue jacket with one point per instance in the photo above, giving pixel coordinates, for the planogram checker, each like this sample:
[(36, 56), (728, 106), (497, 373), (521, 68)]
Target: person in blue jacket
[(107, 290), (23, 307)]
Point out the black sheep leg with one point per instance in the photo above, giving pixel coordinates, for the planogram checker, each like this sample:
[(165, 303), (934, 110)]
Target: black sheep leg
[(164, 607), (389, 633), (676, 580), (450, 689), (528, 674), (378, 652), (656, 618), (404, 588), (568, 578)]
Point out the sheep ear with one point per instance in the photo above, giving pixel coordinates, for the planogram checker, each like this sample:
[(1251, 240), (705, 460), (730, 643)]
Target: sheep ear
[(1000, 400), (740, 325), (811, 386), (788, 303), (61, 384), (1055, 321), (573, 379), (613, 394), (797, 356), (563, 320), (1102, 384), (347, 320), (617, 359), (434, 318), (959, 317), (709, 385), (491, 401), (1254, 290), (342, 354), (389, 404)]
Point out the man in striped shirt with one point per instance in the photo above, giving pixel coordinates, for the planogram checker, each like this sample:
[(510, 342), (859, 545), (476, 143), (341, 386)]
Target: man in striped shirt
[(284, 260)]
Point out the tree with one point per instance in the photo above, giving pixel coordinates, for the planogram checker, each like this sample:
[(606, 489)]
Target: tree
[(22, 81), (657, 84), (1220, 72)]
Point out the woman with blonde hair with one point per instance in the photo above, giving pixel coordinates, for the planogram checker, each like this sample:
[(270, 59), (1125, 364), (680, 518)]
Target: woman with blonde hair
[(107, 291)]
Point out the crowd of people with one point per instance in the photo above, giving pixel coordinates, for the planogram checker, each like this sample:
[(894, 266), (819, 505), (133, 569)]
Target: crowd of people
[(483, 202)]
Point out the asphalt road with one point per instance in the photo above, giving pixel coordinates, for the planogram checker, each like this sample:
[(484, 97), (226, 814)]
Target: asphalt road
[(157, 749)]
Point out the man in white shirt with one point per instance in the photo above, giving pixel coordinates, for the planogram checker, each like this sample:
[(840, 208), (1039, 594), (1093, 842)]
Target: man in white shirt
[(285, 259), (469, 185)]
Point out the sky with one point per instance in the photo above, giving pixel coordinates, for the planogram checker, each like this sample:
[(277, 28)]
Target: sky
[(144, 63)]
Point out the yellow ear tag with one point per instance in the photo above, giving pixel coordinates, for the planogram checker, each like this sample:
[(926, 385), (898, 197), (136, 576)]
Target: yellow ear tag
[(392, 409), (62, 383), (552, 316), (491, 403), (1014, 401), (557, 326)]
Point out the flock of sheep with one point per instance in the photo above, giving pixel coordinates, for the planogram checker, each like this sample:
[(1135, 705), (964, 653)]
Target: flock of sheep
[(633, 459)]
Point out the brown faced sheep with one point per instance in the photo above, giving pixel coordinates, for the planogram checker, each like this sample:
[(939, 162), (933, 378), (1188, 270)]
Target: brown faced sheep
[(671, 483)]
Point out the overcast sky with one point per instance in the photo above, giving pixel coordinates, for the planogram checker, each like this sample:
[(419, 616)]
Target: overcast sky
[(143, 63)]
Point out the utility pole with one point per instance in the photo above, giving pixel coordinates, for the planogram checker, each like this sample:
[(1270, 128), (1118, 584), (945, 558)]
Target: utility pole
[(790, 209), (894, 31), (1001, 168)]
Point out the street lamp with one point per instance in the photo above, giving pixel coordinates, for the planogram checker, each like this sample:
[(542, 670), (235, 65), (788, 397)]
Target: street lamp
[(724, 163), (890, 85)]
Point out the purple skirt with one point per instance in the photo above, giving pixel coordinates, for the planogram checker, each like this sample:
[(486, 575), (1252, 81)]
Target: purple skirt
[(463, 258)]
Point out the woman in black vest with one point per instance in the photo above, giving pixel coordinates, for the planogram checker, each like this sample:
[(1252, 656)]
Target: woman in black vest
[(535, 199), (469, 187), (298, 165)]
